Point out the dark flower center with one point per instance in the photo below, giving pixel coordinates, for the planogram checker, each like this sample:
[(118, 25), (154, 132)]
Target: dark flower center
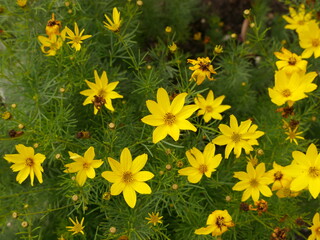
[(314, 172), (127, 177), (203, 168), (169, 119), (29, 162)]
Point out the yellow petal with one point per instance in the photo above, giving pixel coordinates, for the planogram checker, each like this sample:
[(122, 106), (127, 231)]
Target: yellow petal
[(143, 176), (141, 187), (117, 188), (130, 196), (138, 163), (126, 159)]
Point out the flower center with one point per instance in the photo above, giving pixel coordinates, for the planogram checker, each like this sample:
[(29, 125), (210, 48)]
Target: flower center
[(86, 165), (203, 168), (169, 119), (292, 61), (254, 183), (77, 228), (29, 162), (220, 222), (98, 101), (209, 109), (318, 231), (278, 176), (204, 66), (76, 39), (286, 93), (127, 177), (314, 172), (301, 22), (315, 42), (236, 137)]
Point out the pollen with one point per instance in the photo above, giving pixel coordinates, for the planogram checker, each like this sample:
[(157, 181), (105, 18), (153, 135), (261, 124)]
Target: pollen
[(292, 61), (314, 172), (286, 93), (169, 119), (236, 137), (209, 109), (278, 176), (220, 222), (254, 183), (86, 165), (127, 177), (315, 42), (29, 162), (203, 168)]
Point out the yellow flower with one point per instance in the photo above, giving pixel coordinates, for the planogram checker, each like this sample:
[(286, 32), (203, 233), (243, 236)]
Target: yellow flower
[(315, 228), (101, 92), (238, 137), (22, 3), (168, 29), (309, 40), (50, 45), (290, 62), (253, 182), (202, 68), (291, 88), (197, 36), (127, 177), (53, 26), (76, 37), (154, 218), (298, 19), (27, 163), (280, 178), (293, 135), (173, 47), (83, 165), (218, 222), (114, 25), (202, 163), (305, 169), (210, 107), (218, 49), (169, 118), (77, 228), (6, 115)]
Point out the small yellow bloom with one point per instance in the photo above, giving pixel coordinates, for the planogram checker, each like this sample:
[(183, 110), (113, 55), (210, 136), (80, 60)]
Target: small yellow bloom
[(254, 182), (173, 47), (27, 163), (201, 163), (114, 24), (75, 37), (202, 69), (101, 92), (126, 176), (169, 118), (237, 137), (218, 222), (77, 228), (305, 169), (309, 40), (290, 62), (197, 36), (218, 49), (53, 26), (84, 166), (22, 3), (154, 218), (168, 29), (315, 228), (50, 45), (210, 107), (298, 18), (293, 135), (291, 88), (6, 115), (280, 178)]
